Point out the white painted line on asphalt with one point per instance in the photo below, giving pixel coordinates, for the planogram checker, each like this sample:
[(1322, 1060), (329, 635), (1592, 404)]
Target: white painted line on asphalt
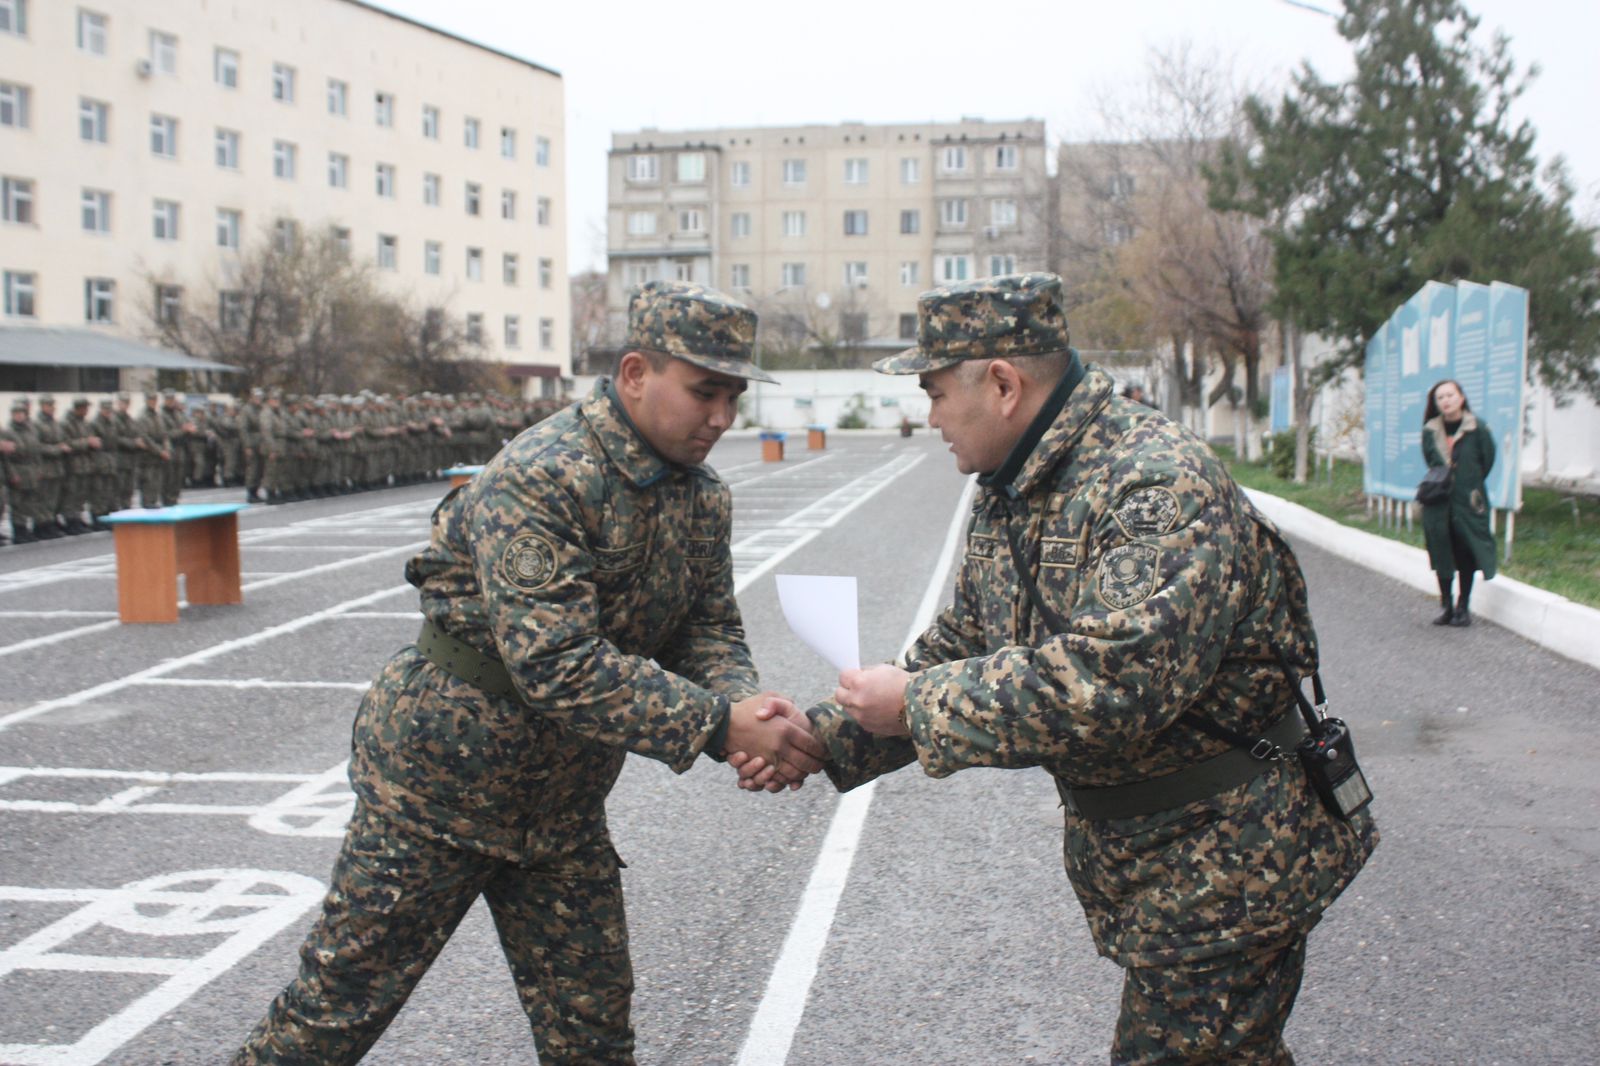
[(58, 614), (787, 470), (56, 638), (254, 682), (411, 615), (778, 1015), (250, 906), (338, 564)]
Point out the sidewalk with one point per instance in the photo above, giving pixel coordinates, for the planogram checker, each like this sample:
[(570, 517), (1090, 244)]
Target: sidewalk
[(1555, 622)]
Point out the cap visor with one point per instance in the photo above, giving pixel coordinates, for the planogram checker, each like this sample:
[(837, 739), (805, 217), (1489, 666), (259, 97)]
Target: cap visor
[(737, 368), (912, 361)]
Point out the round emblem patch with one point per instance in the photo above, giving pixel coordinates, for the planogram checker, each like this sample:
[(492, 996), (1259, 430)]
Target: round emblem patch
[(1148, 512), (1127, 575), (529, 562)]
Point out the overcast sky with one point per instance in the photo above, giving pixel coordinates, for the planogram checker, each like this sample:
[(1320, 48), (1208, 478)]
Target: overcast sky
[(628, 64)]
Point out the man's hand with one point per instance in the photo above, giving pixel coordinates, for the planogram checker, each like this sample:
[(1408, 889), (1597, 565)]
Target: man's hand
[(875, 698), (773, 729)]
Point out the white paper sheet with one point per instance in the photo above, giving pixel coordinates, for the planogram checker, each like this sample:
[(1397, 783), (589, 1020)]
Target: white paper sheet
[(822, 612)]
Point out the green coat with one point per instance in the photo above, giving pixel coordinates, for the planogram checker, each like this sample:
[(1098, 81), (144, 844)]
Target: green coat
[(1468, 506)]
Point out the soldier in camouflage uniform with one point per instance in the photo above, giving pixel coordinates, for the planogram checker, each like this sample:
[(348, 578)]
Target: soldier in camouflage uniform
[(156, 453), (130, 452), (104, 493), (579, 603), (1162, 603), (78, 484), (179, 430)]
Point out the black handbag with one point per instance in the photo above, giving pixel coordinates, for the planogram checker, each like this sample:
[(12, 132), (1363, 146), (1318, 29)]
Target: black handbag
[(1435, 485)]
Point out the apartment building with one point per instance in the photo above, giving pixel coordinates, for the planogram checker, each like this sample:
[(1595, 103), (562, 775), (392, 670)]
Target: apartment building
[(829, 231), (142, 140)]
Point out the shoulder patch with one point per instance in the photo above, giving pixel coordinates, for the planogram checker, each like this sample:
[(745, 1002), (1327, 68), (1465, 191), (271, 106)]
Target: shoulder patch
[(529, 562), (982, 546), (1127, 575), (1148, 512)]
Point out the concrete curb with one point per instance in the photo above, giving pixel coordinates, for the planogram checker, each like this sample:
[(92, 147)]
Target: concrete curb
[(1549, 620)]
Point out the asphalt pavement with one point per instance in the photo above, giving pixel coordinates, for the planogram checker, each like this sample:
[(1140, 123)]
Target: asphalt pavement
[(171, 799)]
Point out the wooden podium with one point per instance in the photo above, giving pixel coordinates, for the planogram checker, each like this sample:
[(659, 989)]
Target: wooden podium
[(460, 475), (155, 545)]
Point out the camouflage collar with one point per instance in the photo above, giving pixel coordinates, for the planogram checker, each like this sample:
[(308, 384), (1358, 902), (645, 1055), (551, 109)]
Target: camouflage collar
[(627, 449), (1076, 411)]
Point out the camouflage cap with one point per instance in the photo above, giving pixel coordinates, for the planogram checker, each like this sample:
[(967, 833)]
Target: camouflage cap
[(695, 324), (80, 401), (992, 318), (46, 398), (19, 404)]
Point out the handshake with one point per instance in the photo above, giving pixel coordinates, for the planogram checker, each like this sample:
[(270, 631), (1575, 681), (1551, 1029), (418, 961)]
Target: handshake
[(772, 743)]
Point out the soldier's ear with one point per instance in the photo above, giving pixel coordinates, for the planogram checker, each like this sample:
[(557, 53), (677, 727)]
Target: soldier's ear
[(632, 369)]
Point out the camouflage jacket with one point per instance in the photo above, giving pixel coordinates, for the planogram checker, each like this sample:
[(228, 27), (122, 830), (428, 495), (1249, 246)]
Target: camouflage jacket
[(22, 466), (1175, 593), (602, 577), (53, 459)]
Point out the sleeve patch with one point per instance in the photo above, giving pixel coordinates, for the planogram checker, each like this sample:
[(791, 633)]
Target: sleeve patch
[(1128, 575), (1058, 551), (982, 546), (1148, 512), (529, 562)]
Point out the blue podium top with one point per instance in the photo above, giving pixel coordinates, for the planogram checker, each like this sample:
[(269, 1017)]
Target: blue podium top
[(773, 434), (463, 471), (183, 512), (816, 425)]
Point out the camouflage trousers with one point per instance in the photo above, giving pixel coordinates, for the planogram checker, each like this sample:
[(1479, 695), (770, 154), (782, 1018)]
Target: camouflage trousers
[(1225, 1009), (395, 899)]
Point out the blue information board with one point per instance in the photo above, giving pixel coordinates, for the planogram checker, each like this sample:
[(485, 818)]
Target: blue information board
[(1377, 355), (1281, 410)]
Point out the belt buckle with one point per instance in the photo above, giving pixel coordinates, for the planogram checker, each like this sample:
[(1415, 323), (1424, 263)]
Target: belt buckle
[(1263, 749)]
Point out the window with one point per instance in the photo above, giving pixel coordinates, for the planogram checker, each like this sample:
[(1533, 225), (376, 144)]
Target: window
[(94, 120), (388, 252), (230, 311), (430, 122), (1121, 186), (541, 151), (639, 273), (541, 210), (508, 204), (794, 275), (641, 223), (954, 158), (683, 270), (469, 132), (16, 200), (283, 160), (14, 19), (19, 294), (99, 297), (164, 220), (508, 142), (953, 268), (910, 272), (739, 175), (794, 171), (92, 32), (911, 221), (225, 68), (509, 265), (689, 221), (338, 97), (1118, 233), (474, 327), (855, 171), (853, 325), (169, 303), (385, 180), (643, 168), (794, 223), (740, 224), (513, 331), (691, 167), (910, 171), (1002, 213), (1002, 264), (855, 275), (430, 189), (432, 256), (285, 234), (739, 276), (338, 170), (383, 108), (547, 274), (474, 264), (1005, 157), (96, 211), (228, 149), (341, 237), (953, 213), (474, 198), (908, 327), (283, 83), (163, 52), (164, 136), (14, 104), (547, 334), (229, 223), (855, 223)]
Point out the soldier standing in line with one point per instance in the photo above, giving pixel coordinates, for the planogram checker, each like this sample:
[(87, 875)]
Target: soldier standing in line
[(53, 472), (17, 452), (250, 442), (276, 428), (157, 451), (579, 604), (1125, 619), (77, 486), (175, 421), (130, 451), (229, 450), (104, 492)]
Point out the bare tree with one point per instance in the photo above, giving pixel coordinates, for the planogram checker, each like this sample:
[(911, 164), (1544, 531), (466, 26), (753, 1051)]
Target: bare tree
[(588, 319)]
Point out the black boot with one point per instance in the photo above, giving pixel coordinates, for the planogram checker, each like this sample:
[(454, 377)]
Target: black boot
[(1461, 617), (22, 535), (1444, 617), (252, 496)]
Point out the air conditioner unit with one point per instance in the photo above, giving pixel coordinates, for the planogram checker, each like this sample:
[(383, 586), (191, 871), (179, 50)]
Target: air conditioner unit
[(142, 68), (861, 283), (991, 232)]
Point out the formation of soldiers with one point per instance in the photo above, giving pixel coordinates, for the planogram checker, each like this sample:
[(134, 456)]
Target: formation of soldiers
[(62, 476)]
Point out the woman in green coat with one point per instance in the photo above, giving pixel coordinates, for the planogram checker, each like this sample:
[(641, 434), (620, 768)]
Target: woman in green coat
[(1457, 530)]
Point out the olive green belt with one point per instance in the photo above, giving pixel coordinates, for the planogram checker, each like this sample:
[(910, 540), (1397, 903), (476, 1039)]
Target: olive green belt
[(1217, 774), (464, 662)]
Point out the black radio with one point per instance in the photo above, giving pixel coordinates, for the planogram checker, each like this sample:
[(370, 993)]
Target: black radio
[(1329, 756)]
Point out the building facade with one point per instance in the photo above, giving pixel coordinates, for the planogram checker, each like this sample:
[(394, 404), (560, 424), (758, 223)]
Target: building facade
[(829, 231), (145, 141)]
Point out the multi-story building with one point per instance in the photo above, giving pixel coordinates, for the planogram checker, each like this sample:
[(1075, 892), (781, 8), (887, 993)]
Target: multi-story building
[(142, 141), (829, 231)]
